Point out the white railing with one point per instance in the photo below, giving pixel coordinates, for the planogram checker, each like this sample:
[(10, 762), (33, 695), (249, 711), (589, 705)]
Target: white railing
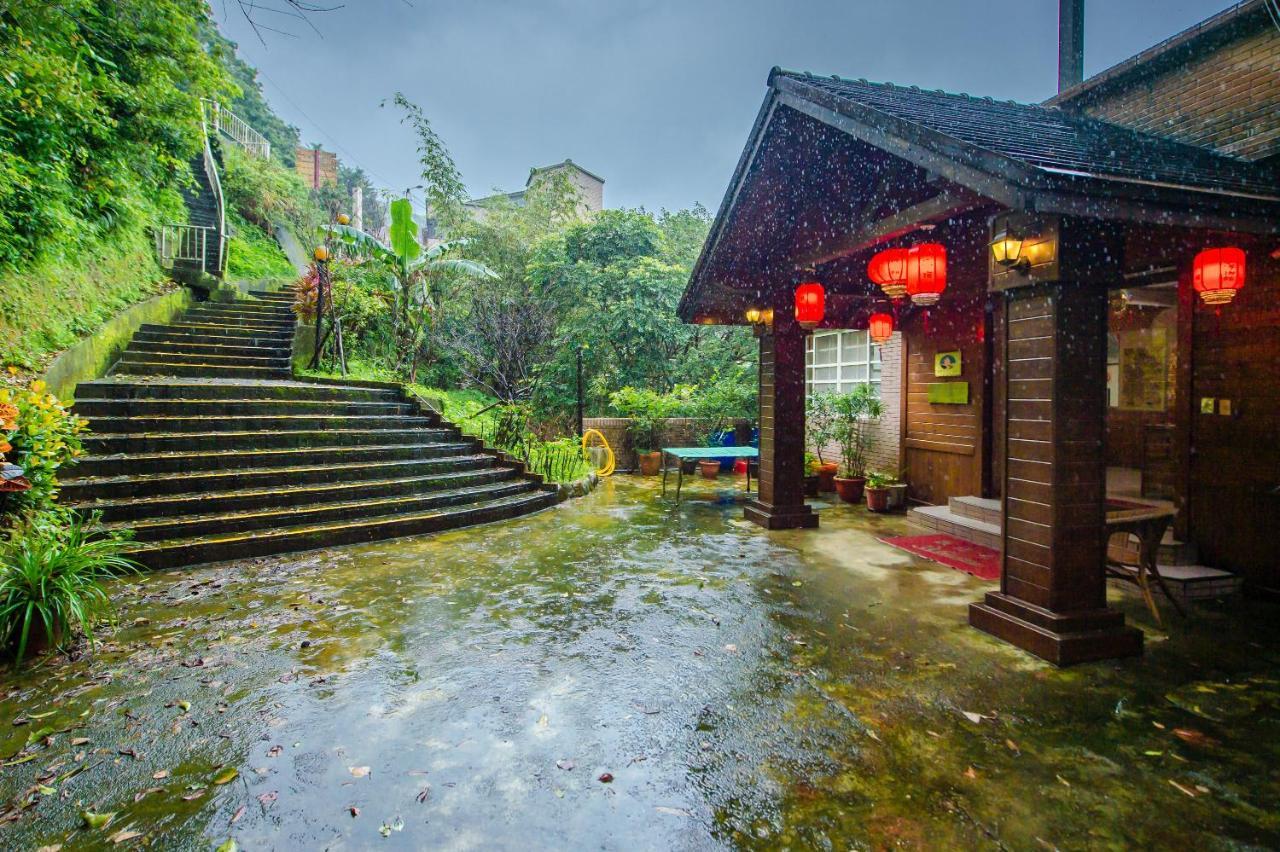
[(237, 129), (211, 170), (188, 244)]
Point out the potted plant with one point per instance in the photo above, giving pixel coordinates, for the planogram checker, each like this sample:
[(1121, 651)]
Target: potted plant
[(877, 491), (710, 468), (647, 411), (820, 428), (856, 412), (811, 483)]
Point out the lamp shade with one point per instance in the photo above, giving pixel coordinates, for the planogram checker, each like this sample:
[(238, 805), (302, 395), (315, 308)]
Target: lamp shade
[(926, 273), (811, 304), (1006, 247), (888, 270), (1218, 274), (880, 327)]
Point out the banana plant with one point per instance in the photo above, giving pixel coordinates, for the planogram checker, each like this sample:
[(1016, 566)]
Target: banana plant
[(411, 271)]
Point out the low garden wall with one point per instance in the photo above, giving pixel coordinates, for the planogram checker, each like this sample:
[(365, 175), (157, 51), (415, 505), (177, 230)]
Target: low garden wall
[(676, 432)]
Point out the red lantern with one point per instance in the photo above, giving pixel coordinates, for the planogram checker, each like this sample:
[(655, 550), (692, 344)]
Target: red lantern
[(1219, 273), (811, 302), (888, 269), (926, 273), (880, 326)]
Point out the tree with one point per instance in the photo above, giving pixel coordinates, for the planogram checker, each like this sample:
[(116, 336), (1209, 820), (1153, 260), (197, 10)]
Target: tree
[(250, 103)]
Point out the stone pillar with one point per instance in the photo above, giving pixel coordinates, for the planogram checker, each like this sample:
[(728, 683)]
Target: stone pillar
[(1052, 598), (780, 502)]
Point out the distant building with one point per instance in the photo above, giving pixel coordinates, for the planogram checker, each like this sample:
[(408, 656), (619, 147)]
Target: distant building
[(590, 189), (317, 167)]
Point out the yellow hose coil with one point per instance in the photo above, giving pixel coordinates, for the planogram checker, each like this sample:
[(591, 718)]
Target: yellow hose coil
[(607, 468)]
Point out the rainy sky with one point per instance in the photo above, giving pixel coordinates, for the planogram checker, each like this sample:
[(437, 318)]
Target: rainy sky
[(656, 96)]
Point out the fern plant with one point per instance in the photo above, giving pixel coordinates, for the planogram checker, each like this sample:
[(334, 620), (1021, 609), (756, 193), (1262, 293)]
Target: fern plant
[(52, 567)]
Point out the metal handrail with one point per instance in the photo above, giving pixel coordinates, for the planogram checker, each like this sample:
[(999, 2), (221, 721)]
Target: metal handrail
[(238, 130), (211, 169), (184, 243)]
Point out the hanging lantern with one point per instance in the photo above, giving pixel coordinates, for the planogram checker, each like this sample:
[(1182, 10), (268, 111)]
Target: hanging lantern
[(880, 327), (1006, 249), (811, 302), (754, 315), (1219, 273), (926, 273), (888, 270)]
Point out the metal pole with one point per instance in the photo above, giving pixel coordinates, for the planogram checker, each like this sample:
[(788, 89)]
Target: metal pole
[(580, 431)]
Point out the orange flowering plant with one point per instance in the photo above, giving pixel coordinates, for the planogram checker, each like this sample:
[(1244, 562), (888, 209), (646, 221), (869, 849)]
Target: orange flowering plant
[(38, 435)]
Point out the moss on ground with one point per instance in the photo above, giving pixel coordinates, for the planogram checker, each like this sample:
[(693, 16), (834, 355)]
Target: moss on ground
[(51, 305)]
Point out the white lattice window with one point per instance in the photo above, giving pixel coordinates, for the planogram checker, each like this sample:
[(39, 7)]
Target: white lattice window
[(836, 361)]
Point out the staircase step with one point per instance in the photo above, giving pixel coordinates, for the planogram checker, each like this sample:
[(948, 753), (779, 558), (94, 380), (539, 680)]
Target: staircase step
[(157, 484), (231, 408), (182, 338), (190, 389), (1192, 582), (171, 355), (252, 423), (273, 295), (351, 455), (983, 509), (941, 519), (218, 325), (211, 349), (125, 509), (167, 554), (283, 318), (109, 444), (191, 526), (206, 330), (159, 368)]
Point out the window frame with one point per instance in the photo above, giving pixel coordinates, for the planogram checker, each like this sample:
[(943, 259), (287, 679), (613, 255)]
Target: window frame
[(865, 356)]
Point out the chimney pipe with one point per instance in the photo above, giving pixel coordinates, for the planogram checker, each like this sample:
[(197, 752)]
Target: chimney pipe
[(1070, 43)]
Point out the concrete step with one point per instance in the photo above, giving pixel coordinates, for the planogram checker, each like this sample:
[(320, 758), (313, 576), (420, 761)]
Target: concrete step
[(255, 316), (168, 554), (125, 509), (191, 389), (169, 355), (207, 330), (1193, 582), (158, 484), (184, 338), (185, 348), (229, 408), (109, 444), (128, 366), (191, 526), (352, 455), (218, 324), (983, 509), (251, 423), (942, 520)]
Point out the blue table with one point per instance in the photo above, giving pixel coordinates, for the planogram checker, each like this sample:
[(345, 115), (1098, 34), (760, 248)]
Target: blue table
[(682, 454)]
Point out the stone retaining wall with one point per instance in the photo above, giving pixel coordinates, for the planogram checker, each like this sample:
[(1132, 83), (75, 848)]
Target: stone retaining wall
[(677, 432)]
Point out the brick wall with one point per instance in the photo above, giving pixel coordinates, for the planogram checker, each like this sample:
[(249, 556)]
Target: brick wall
[(677, 432), (1227, 98)]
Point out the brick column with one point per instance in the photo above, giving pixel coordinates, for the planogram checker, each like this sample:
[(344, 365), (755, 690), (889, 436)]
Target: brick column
[(1052, 598), (780, 502)]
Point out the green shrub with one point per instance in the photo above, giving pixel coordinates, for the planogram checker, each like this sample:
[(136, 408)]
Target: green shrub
[(52, 566), (41, 435), (647, 409), (265, 193), (253, 254)]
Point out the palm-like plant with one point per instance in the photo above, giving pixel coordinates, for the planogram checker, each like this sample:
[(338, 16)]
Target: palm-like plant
[(412, 273), (51, 574)]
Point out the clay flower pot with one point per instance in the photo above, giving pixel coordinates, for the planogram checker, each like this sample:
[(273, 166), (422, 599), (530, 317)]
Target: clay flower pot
[(650, 463), (850, 488), (710, 468), (827, 476), (878, 499)]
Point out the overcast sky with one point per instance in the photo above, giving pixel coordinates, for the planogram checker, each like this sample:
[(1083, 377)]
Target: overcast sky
[(656, 96)]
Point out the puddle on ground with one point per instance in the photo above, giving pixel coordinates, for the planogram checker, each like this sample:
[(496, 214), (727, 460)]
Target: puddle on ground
[(807, 689)]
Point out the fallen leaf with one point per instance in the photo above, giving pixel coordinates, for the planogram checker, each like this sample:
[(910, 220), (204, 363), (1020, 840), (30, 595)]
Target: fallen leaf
[(228, 846), (163, 773), (731, 648), (358, 771), (971, 774), (195, 795), (975, 718), (235, 817), (566, 764), (1191, 793), (543, 721), (1013, 747), (1194, 737), (78, 741), (423, 794), (1064, 781), (269, 798), (355, 812), (227, 775), (275, 751), (673, 811), (45, 790), (93, 820), (606, 777), (184, 706), (123, 835)]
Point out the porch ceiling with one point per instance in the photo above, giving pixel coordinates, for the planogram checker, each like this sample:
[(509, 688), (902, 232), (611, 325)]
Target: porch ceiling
[(836, 167)]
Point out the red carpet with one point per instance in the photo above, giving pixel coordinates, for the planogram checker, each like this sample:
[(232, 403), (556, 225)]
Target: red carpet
[(953, 552)]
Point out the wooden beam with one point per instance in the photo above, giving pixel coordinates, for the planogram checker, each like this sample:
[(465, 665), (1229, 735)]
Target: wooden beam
[(945, 204)]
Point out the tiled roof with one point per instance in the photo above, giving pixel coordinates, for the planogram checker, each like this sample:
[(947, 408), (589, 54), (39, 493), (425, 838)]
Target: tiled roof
[(1051, 139)]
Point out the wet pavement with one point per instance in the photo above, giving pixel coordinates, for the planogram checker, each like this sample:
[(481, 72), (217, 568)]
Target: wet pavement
[(619, 673)]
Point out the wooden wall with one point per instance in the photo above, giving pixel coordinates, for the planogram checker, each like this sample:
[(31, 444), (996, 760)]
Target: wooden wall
[(1235, 458), (944, 451)]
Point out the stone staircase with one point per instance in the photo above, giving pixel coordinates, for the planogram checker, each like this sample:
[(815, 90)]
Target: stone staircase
[(206, 446)]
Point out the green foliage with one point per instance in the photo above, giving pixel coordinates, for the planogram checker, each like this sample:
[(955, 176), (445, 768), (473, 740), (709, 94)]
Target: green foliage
[(249, 103), (265, 193), (252, 254), (724, 400), (99, 117), (879, 480), (445, 191), (48, 305), (41, 435), (612, 237), (52, 567), (855, 413), (647, 409), (403, 233), (820, 422)]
